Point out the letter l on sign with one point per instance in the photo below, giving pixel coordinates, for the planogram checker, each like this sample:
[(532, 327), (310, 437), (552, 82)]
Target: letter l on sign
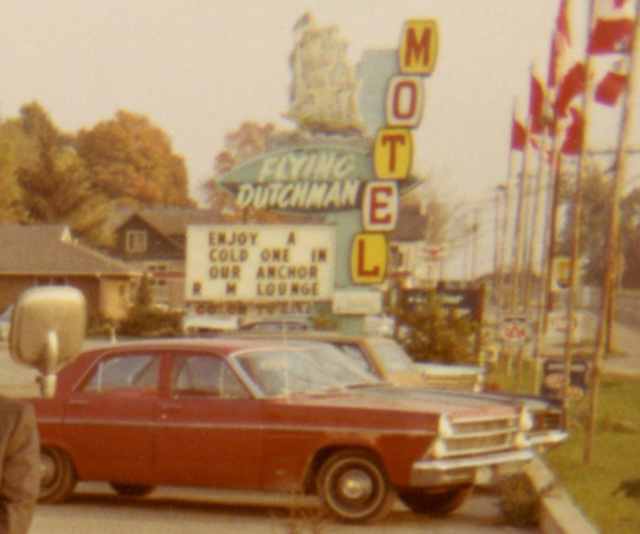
[(369, 256)]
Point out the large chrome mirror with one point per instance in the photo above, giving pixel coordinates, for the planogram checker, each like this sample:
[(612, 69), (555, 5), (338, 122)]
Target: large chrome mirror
[(47, 330)]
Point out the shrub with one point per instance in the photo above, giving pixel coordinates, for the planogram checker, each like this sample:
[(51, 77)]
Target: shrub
[(432, 333), (150, 322), (519, 502)]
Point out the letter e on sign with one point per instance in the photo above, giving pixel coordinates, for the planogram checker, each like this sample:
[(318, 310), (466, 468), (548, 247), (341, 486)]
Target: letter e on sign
[(392, 153), (380, 206), (419, 47), (405, 101), (369, 254)]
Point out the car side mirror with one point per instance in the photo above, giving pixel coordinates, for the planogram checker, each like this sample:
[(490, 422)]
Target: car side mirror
[(47, 330)]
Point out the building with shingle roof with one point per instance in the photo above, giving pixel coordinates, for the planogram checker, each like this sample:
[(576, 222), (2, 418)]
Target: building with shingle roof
[(32, 255), (153, 240)]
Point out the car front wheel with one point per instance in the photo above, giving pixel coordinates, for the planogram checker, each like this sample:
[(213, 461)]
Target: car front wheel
[(354, 487), (58, 477), (436, 504)]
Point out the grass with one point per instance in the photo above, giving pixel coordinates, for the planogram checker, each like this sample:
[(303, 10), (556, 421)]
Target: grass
[(616, 450), (616, 457)]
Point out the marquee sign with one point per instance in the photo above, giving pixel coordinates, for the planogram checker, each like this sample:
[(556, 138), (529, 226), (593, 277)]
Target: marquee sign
[(246, 263)]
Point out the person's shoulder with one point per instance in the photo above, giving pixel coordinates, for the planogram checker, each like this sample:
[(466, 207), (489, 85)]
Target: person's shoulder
[(9, 404)]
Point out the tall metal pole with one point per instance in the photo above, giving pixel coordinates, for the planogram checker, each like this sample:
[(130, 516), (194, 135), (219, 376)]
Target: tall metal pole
[(587, 101), (608, 286)]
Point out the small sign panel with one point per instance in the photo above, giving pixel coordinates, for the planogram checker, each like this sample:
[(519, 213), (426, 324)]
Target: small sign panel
[(393, 153), (260, 263), (380, 206), (405, 101), (369, 257), (419, 47)]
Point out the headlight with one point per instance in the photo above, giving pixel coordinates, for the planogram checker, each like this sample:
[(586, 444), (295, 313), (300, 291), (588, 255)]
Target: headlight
[(445, 428), (526, 420), (438, 448)]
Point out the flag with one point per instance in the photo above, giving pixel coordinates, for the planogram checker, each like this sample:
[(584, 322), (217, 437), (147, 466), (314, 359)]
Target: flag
[(612, 29), (536, 105), (570, 87), (560, 58), (572, 144), (518, 135), (610, 88)]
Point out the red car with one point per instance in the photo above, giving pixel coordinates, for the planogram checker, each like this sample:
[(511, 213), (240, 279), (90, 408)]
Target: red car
[(254, 415)]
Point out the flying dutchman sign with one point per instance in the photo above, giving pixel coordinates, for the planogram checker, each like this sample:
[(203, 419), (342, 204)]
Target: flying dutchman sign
[(317, 178)]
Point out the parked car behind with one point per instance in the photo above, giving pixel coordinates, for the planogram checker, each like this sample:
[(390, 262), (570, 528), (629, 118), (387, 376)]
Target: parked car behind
[(257, 415), (386, 359)]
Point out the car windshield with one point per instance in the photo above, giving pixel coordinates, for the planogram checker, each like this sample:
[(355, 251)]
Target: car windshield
[(392, 357), (285, 372), (334, 362)]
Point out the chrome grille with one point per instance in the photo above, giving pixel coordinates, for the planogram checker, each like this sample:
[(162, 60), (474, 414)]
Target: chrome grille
[(479, 435)]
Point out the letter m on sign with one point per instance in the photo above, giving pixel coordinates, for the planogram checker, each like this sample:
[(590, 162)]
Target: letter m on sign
[(419, 47)]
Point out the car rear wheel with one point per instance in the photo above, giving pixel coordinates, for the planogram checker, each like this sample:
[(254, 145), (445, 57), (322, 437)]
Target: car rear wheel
[(58, 477), (132, 490), (437, 504), (354, 487)]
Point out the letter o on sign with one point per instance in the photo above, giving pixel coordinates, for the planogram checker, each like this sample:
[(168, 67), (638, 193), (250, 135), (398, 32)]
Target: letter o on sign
[(405, 101)]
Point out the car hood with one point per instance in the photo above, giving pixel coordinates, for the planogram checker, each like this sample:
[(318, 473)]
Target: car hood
[(391, 399)]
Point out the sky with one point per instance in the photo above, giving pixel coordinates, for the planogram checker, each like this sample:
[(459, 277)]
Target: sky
[(199, 68)]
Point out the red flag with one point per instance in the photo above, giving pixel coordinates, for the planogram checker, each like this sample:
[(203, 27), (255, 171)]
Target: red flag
[(536, 105), (572, 144), (570, 87), (612, 30), (559, 58), (518, 135), (610, 88)]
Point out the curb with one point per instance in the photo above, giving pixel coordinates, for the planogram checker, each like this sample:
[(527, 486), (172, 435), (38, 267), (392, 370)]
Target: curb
[(558, 513)]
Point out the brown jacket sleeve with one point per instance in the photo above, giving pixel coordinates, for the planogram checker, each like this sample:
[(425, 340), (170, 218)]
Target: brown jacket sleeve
[(20, 466)]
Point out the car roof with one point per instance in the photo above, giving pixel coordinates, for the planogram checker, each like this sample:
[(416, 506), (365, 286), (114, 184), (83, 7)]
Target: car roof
[(222, 345)]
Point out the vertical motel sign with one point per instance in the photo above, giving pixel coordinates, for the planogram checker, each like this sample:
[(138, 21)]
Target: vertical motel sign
[(393, 150)]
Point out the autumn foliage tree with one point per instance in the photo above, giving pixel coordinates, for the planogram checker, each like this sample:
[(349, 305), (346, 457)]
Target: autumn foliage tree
[(55, 184), (132, 162)]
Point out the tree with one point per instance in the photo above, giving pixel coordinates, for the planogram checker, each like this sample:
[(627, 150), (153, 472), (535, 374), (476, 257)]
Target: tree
[(132, 162), (56, 186), (435, 334), (10, 199), (247, 143)]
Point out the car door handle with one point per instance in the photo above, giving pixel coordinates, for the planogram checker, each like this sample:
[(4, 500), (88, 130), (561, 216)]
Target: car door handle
[(78, 402)]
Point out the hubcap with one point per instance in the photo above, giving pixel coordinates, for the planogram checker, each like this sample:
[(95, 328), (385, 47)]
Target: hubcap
[(47, 470), (355, 485)]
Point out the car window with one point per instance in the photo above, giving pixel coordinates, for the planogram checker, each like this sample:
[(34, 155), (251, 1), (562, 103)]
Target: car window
[(137, 372), (356, 356), (392, 357), (285, 373), (198, 375)]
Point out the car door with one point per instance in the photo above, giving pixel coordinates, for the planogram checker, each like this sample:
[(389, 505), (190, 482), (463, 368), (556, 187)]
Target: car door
[(110, 416), (210, 429)]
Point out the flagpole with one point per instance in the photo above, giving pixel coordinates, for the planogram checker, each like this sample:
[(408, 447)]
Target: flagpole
[(611, 264), (577, 215)]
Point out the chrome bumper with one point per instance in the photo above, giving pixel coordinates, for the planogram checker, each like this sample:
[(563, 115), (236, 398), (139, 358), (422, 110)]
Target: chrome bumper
[(548, 438), (453, 471)]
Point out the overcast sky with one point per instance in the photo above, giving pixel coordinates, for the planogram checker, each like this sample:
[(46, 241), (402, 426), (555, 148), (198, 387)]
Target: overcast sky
[(199, 68)]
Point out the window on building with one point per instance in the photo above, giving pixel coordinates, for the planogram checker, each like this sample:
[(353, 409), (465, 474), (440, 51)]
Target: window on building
[(136, 241)]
